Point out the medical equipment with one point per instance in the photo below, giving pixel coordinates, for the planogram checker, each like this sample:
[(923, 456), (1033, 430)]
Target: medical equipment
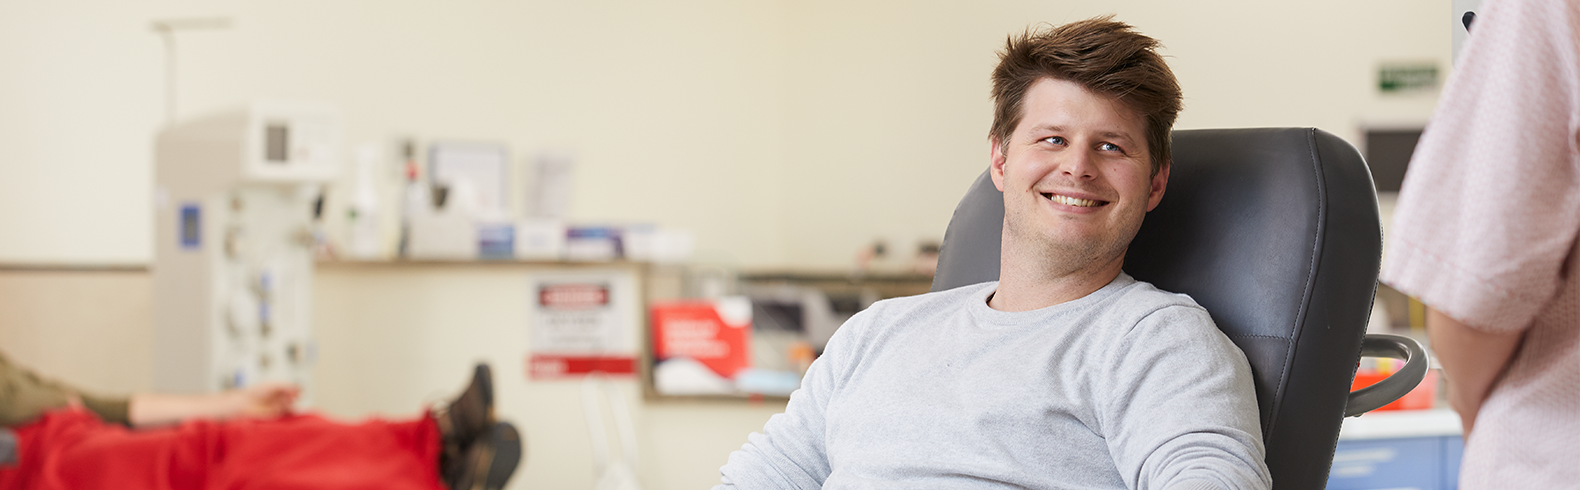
[(233, 271), (617, 471)]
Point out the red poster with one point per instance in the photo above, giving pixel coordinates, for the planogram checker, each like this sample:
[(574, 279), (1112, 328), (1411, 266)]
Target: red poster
[(702, 330)]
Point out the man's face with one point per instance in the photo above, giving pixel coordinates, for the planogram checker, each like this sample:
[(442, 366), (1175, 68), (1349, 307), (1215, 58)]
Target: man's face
[(1076, 176)]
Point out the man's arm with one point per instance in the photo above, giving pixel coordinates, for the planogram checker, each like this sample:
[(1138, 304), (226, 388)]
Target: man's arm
[(1180, 409), (262, 400), (1472, 361), (791, 452)]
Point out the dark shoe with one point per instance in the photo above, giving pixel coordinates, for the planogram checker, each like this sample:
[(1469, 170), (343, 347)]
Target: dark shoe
[(489, 461), (468, 416)]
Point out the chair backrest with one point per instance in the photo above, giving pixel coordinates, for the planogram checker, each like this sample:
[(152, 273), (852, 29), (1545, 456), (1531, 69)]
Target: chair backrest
[(1276, 233)]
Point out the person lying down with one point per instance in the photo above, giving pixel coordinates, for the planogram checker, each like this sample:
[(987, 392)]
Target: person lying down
[(56, 437)]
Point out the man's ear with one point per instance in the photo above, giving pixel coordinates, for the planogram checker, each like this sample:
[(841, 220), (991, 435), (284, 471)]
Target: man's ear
[(1159, 182), (996, 163)]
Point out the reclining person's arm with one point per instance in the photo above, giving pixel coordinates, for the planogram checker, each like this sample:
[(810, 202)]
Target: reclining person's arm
[(1181, 411), (261, 400), (24, 396)]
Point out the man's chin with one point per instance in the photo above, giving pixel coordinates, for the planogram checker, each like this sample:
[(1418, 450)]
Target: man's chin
[(1060, 247), (1063, 250)]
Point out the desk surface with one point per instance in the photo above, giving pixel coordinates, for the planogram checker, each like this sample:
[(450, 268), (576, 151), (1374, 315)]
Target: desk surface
[(1400, 424)]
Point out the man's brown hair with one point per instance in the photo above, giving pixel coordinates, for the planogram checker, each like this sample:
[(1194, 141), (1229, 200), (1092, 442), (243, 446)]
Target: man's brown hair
[(1104, 56)]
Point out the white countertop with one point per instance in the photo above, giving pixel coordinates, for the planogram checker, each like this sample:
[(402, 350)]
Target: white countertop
[(1400, 424)]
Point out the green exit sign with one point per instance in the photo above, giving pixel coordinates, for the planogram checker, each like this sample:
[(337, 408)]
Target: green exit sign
[(1406, 77)]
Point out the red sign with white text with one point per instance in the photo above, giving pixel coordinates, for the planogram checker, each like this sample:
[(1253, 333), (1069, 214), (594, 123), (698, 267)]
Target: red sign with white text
[(697, 330)]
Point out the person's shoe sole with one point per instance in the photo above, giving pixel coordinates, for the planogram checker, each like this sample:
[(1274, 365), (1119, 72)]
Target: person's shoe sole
[(492, 459)]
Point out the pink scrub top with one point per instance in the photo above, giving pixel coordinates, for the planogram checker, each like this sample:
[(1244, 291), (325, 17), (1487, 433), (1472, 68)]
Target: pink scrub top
[(1485, 230)]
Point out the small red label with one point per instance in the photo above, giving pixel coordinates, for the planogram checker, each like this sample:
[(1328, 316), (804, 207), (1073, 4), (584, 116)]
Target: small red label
[(541, 366)]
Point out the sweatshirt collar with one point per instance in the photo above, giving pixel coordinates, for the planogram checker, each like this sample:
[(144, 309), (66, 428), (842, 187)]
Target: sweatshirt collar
[(988, 316)]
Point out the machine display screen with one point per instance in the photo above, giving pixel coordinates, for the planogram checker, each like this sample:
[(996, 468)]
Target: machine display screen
[(276, 143), (191, 233)]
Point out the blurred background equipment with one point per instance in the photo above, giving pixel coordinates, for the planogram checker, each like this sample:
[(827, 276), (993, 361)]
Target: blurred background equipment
[(232, 277), (616, 471), (464, 215)]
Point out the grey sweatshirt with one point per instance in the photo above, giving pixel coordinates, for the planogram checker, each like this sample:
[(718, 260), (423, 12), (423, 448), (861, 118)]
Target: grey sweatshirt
[(1128, 387)]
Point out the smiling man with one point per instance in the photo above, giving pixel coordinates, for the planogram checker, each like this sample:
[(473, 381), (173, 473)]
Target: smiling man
[(1065, 373)]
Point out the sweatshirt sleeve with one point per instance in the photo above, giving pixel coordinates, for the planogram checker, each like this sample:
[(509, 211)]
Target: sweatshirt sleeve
[(24, 396), (790, 452), (1181, 409)]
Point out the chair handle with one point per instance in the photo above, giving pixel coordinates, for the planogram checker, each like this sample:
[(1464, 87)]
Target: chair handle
[(1396, 385)]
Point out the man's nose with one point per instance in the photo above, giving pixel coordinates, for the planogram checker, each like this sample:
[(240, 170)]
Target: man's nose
[(1081, 165)]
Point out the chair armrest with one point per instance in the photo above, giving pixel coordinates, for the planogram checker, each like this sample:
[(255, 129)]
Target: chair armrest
[(1396, 385)]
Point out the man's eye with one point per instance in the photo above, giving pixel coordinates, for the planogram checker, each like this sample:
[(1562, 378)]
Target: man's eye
[(1057, 140), (1110, 147)]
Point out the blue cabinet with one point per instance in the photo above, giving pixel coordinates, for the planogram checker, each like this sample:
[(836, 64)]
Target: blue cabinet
[(1423, 463)]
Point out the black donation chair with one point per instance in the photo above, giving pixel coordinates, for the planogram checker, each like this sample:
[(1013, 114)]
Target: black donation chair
[(1275, 231)]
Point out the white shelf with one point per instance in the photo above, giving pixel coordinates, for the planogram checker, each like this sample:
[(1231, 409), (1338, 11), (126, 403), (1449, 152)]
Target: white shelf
[(1401, 424)]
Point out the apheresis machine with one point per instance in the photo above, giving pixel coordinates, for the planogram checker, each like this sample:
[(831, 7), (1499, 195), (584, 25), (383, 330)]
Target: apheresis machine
[(232, 277)]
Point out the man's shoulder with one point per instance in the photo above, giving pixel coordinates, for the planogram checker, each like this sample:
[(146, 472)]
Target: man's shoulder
[(1140, 303), (896, 316), (1139, 293)]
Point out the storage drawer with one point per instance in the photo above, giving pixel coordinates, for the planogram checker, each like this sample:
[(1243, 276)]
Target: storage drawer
[(1420, 463)]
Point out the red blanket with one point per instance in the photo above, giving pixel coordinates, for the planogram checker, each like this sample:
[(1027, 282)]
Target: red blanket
[(72, 449)]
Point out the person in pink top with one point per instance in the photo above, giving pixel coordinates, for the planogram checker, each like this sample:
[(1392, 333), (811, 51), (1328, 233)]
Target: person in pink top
[(1485, 235)]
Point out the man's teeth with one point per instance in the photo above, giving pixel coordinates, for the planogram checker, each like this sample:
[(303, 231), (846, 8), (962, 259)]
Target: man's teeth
[(1085, 203)]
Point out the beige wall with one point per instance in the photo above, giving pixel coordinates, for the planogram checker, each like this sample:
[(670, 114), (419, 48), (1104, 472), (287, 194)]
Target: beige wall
[(785, 133), (675, 109), (89, 328), (891, 104)]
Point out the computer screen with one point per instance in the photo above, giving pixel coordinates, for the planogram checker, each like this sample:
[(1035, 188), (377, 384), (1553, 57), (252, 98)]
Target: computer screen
[(1388, 154)]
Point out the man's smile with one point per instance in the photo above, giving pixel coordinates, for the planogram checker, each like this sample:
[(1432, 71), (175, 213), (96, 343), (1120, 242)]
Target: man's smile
[(1073, 201)]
